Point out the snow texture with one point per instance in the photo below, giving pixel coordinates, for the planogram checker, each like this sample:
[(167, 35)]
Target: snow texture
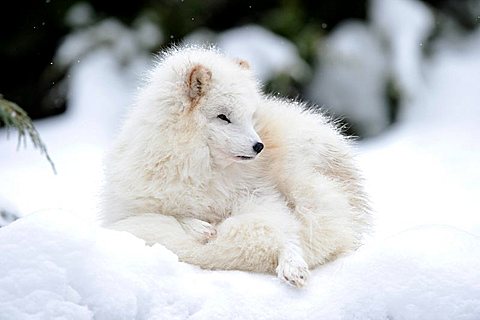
[(71, 269), (423, 262)]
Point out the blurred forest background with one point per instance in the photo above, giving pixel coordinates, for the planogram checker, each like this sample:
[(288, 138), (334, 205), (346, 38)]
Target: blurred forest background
[(34, 74), (403, 74)]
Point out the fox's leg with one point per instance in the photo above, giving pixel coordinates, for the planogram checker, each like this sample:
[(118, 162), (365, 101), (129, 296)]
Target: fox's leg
[(156, 228), (202, 231), (261, 236)]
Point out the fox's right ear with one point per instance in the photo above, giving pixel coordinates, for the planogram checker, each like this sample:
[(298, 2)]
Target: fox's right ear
[(198, 82), (243, 64)]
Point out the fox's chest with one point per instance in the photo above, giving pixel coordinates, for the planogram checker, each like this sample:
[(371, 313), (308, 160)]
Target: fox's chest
[(212, 201)]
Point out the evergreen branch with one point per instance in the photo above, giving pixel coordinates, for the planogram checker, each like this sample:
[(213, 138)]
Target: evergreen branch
[(15, 117)]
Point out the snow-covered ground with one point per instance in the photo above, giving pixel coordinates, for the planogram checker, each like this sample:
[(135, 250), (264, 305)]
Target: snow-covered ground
[(423, 262), (54, 266)]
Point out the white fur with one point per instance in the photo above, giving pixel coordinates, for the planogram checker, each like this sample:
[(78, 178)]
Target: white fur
[(174, 176)]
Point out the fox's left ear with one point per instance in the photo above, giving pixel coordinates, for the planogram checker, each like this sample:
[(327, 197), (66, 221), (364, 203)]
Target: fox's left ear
[(198, 81)]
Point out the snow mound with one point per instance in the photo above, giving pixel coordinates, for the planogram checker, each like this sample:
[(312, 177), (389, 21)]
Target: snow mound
[(56, 266)]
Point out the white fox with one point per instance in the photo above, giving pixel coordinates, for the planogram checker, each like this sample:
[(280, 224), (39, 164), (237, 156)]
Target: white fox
[(228, 178)]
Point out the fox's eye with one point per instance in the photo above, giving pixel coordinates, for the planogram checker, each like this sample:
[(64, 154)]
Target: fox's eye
[(224, 118)]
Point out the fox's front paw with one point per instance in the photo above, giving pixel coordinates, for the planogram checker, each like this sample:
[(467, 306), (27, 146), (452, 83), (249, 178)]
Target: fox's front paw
[(202, 231), (293, 270)]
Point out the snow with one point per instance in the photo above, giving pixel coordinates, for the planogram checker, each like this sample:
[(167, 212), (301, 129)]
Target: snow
[(269, 54), (406, 40), (422, 262), (75, 142), (358, 59), (111, 35), (72, 269), (80, 14), (103, 76), (426, 169), (6, 216), (353, 54)]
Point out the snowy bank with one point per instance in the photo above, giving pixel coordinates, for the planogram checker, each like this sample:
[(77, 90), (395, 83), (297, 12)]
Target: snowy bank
[(54, 265)]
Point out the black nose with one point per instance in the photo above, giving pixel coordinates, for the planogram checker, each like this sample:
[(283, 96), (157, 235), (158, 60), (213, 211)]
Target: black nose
[(257, 147)]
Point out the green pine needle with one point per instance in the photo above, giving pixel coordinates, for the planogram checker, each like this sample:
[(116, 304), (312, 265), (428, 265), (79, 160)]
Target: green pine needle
[(15, 117)]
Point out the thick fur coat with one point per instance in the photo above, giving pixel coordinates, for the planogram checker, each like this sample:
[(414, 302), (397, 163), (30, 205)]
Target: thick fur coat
[(228, 178)]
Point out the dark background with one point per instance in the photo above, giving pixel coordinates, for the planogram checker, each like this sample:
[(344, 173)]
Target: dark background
[(31, 31)]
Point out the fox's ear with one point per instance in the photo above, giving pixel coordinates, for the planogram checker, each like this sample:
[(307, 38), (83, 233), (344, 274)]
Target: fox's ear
[(243, 64), (198, 82)]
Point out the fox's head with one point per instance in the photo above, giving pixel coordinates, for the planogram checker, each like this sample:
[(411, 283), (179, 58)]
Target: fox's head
[(217, 97)]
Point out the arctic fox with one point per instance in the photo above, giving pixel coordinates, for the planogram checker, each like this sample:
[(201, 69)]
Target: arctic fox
[(229, 178)]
